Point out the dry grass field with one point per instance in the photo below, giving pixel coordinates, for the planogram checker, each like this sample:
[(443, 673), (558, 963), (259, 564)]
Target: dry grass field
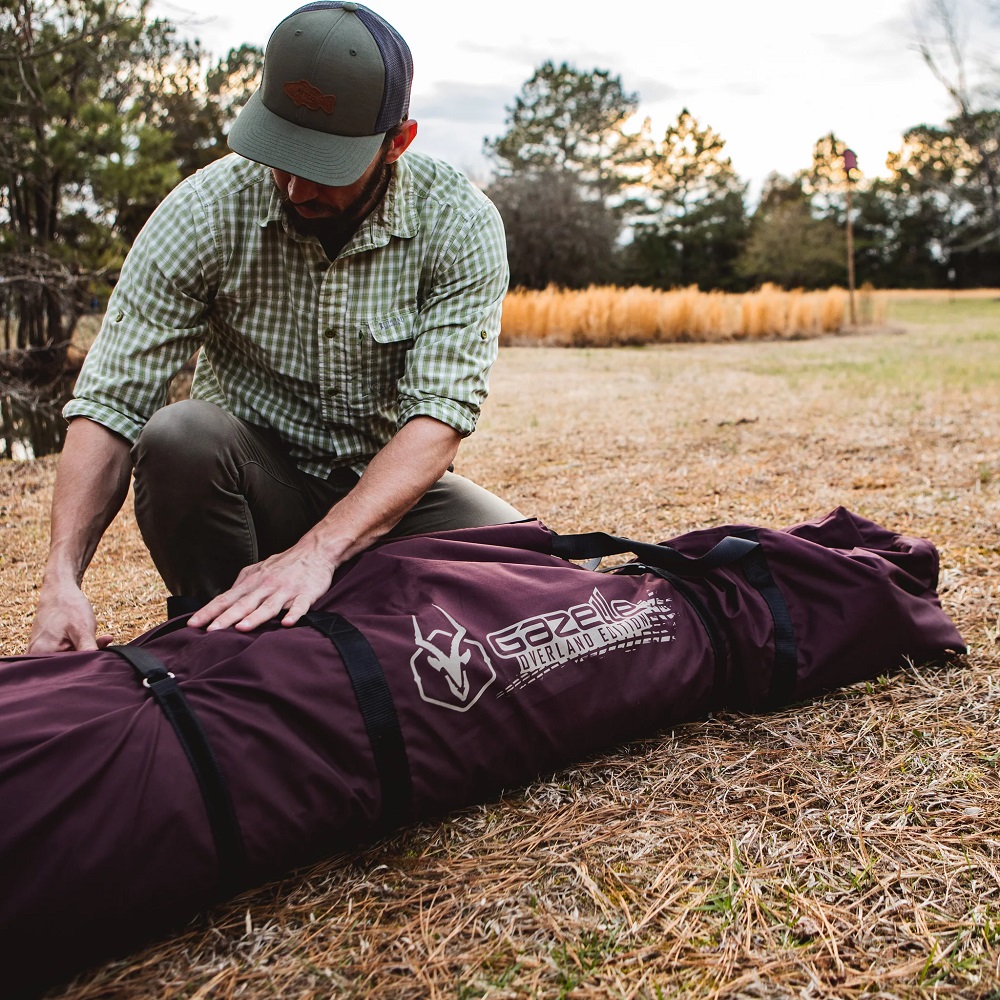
[(845, 848)]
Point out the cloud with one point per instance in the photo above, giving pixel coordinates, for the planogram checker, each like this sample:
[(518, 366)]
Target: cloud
[(653, 90), (466, 103)]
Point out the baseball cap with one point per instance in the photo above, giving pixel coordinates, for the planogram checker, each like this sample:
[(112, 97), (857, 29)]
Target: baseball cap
[(336, 79)]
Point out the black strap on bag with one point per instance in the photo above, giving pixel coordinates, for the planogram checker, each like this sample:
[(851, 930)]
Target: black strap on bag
[(179, 605), (758, 575), (743, 548), (377, 710), (590, 544), (214, 791), (170, 625)]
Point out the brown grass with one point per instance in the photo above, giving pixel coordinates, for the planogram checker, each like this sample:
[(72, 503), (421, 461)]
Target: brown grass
[(847, 848), (604, 316)]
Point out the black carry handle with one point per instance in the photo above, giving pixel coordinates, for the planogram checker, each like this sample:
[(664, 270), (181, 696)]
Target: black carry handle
[(744, 549), (592, 544)]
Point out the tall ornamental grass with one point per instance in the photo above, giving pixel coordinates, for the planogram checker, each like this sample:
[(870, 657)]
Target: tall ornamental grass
[(605, 316)]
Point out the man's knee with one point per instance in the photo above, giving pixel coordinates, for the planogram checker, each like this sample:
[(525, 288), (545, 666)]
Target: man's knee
[(191, 433), (455, 502)]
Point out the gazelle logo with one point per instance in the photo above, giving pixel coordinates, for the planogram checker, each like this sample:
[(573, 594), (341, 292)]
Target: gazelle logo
[(551, 639), (450, 669)]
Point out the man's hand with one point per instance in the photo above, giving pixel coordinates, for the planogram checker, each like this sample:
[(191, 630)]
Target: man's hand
[(91, 486), (64, 620), (291, 581)]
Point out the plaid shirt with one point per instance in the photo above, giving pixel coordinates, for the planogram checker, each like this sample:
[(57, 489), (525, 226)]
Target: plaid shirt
[(333, 356)]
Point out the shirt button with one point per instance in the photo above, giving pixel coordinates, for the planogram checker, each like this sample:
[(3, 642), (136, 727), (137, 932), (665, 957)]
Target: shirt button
[(331, 391), (330, 334)]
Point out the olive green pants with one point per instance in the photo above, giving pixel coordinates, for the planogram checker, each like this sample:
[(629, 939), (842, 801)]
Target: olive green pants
[(214, 494)]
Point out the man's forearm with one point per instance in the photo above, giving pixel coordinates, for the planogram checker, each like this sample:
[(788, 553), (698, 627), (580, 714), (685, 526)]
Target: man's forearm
[(91, 486), (396, 478)]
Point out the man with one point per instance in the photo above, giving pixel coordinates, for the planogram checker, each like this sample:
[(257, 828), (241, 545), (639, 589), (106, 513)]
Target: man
[(346, 302)]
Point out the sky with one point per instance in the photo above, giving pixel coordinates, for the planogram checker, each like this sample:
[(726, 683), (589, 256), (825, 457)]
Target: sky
[(770, 77)]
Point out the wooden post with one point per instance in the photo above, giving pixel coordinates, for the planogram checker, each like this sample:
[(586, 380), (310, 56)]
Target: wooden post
[(850, 162)]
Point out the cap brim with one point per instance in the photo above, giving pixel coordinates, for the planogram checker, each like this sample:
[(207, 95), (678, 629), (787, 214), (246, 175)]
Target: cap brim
[(333, 160)]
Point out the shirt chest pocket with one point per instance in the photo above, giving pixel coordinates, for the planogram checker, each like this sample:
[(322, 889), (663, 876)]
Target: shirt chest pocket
[(380, 360)]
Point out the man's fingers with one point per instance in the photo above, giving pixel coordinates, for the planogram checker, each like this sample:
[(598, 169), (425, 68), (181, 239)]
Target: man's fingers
[(250, 608), (243, 612), (207, 614), (222, 613), (43, 645), (296, 610), (252, 621), (264, 612), (262, 591)]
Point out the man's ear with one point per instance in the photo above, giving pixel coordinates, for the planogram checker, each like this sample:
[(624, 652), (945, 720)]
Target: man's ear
[(406, 134)]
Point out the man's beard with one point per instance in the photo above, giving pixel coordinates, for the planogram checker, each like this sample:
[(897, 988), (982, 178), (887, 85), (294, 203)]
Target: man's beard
[(341, 226)]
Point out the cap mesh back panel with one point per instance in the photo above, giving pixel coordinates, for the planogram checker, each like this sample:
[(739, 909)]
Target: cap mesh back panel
[(398, 70)]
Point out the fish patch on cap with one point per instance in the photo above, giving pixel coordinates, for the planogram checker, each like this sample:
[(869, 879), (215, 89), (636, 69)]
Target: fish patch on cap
[(305, 95)]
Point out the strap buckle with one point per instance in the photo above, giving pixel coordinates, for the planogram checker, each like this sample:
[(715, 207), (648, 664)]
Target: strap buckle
[(149, 680)]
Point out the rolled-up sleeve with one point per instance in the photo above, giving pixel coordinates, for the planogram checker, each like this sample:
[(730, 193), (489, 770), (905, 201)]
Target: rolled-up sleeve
[(155, 321), (447, 370)]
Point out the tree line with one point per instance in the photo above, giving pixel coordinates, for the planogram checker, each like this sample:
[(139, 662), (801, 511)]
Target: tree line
[(589, 199), (104, 108)]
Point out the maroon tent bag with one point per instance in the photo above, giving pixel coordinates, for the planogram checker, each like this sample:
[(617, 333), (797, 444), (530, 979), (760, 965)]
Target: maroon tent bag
[(142, 783)]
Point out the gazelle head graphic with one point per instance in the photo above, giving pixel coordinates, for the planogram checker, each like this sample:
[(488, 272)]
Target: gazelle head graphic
[(451, 663)]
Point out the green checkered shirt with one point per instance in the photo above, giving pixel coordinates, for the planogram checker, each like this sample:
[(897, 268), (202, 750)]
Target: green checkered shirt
[(334, 356)]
